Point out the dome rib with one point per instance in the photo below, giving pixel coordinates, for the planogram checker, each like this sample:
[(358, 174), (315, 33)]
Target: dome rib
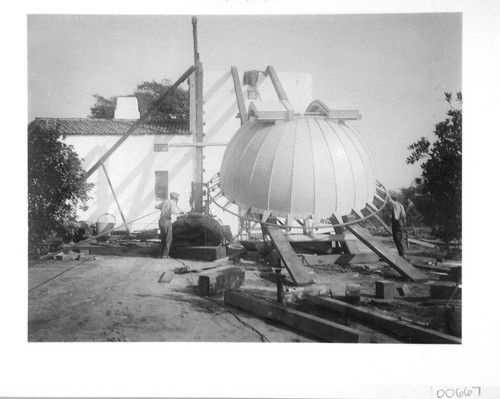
[(292, 175), (367, 152), (269, 194), (357, 151), (331, 160), (351, 181), (315, 197), (232, 156)]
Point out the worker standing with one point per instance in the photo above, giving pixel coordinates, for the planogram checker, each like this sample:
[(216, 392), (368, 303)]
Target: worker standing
[(168, 208), (398, 219)]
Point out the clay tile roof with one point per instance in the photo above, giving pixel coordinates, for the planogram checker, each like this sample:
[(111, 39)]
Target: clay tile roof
[(104, 127)]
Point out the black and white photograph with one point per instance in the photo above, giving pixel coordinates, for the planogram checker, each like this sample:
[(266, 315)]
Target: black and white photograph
[(222, 188), (300, 181)]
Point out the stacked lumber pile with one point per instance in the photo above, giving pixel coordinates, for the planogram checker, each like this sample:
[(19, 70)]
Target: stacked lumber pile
[(198, 229)]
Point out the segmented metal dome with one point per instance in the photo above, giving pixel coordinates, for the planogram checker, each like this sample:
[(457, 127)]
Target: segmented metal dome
[(310, 165)]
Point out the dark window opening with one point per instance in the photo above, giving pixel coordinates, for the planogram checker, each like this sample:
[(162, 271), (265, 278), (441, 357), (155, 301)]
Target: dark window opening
[(161, 185)]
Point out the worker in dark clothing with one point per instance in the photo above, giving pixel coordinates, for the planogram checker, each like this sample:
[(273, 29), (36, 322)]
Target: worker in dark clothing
[(398, 219), (168, 208)]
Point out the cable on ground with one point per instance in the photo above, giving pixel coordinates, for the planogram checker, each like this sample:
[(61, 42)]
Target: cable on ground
[(57, 275), (263, 338)]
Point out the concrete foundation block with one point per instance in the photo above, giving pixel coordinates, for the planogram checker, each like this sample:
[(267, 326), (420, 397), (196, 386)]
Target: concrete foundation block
[(456, 274), (217, 281), (404, 290), (385, 289), (353, 294), (444, 291)]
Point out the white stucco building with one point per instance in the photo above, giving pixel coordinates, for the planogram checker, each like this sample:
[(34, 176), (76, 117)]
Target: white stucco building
[(140, 174)]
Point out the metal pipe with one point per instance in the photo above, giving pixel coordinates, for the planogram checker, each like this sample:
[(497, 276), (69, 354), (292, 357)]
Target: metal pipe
[(214, 144), (115, 197), (321, 226)]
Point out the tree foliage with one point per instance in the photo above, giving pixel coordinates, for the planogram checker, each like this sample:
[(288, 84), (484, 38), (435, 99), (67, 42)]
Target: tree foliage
[(57, 187), (439, 189), (103, 108), (174, 106)]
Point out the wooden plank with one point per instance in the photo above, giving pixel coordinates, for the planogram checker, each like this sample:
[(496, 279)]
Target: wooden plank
[(405, 329), (320, 237), (306, 238), (421, 243), (316, 326), (394, 260), (293, 264), (239, 95), (343, 259), (319, 107)]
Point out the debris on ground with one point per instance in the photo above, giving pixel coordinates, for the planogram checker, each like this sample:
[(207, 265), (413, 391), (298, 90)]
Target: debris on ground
[(123, 292)]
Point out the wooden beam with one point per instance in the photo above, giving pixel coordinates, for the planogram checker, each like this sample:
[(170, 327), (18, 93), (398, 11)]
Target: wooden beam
[(319, 237), (293, 264), (115, 197), (402, 328), (348, 247), (143, 118), (420, 243), (271, 111), (276, 83), (316, 326), (343, 259), (318, 107), (394, 260), (202, 253), (239, 95)]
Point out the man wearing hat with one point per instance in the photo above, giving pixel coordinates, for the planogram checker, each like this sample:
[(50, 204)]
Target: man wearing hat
[(168, 208)]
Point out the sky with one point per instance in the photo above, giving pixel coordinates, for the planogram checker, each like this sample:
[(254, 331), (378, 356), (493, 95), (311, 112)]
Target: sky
[(394, 68)]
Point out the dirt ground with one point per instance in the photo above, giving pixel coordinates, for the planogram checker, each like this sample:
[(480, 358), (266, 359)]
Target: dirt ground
[(118, 297)]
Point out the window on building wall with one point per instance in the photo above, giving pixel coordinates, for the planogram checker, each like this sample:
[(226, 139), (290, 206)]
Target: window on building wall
[(161, 185)]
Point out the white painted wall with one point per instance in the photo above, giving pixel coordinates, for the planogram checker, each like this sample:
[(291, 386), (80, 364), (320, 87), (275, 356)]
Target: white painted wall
[(132, 167)]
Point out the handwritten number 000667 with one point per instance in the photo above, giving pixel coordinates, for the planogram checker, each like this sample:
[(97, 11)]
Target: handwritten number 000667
[(457, 392)]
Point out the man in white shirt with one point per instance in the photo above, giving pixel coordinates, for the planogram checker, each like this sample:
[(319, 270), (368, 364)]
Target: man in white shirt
[(168, 208), (398, 219)]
